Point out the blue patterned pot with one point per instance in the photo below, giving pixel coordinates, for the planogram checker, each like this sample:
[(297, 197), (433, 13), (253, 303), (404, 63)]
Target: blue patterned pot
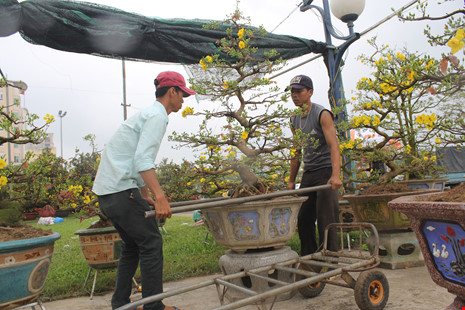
[(440, 230), (254, 225), (24, 266)]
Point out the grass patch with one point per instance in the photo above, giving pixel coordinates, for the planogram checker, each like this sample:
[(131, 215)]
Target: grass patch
[(185, 255)]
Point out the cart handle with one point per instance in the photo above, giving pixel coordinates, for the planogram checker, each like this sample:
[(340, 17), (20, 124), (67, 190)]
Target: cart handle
[(234, 201)]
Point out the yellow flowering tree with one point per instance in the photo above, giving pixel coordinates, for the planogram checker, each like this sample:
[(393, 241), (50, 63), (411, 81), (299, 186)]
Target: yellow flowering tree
[(250, 143), (17, 129), (396, 118)]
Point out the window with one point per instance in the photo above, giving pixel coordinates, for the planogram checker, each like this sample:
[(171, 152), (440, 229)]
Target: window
[(1, 96), (16, 159)]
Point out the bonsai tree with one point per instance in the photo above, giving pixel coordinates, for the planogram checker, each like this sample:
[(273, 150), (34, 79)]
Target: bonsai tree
[(400, 113), (243, 138), (29, 133)]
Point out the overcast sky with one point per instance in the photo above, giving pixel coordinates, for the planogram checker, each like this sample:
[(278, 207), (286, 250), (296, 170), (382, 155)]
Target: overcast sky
[(89, 88)]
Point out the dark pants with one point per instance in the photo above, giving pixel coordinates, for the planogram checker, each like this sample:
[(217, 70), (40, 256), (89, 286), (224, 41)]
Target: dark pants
[(322, 207), (141, 241)]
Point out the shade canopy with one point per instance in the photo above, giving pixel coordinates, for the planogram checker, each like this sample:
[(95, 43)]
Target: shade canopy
[(89, 28)]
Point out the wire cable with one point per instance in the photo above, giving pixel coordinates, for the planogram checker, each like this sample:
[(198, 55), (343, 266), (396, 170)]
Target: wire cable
[(292, 12), (402, 9)]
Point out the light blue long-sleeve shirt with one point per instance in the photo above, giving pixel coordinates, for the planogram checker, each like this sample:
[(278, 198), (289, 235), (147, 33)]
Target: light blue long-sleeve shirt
[(131, 150)]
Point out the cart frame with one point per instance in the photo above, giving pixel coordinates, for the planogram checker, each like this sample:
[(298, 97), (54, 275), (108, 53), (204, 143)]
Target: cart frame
[(335, 266)]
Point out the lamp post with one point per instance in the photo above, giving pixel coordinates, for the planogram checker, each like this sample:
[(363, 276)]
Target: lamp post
[(347, 11), (61, 114)]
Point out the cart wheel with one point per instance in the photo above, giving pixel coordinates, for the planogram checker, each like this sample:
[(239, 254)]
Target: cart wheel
[(310, 290), (371, 290)]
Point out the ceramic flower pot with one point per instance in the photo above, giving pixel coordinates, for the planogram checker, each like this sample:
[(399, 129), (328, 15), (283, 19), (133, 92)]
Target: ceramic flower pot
[(426, 183), (440, 230), (374, 209), (101, 246), (24, 266), (29, 216), (254, 225), (63, 212)]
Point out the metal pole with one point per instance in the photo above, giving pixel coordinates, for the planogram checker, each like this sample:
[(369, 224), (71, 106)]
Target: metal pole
[(8, 112), (61, 114), (235, 201), (124, 104)]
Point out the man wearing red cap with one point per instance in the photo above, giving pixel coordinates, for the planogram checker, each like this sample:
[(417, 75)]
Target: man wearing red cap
[(125, 183), (321, 166)]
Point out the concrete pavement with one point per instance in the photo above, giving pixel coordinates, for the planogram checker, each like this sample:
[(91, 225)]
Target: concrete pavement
[(410, 289)]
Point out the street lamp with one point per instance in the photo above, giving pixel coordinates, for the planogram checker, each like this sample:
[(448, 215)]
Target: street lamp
[(347, 11), (61, 114)]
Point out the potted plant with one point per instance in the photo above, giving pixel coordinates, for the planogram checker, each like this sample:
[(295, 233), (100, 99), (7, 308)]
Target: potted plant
[(437, 219), (402, 117), (100, 243), (252, 148), (25, 252), (396, 123)]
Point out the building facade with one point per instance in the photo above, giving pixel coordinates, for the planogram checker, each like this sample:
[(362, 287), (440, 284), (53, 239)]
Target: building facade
[(10, 102)]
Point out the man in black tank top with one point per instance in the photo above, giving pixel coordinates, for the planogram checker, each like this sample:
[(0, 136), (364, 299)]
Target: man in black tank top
[(322, 165)]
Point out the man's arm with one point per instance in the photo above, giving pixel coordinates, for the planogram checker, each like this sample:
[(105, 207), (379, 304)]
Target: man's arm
[(295, 164), (329, 131), (162, 207)]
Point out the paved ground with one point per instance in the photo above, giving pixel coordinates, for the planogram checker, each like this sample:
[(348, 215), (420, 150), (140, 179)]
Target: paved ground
[(410, 289)]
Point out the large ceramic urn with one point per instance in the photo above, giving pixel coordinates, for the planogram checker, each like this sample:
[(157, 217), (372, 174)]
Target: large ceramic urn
[(440, 230), (24, 266), (254, 225)]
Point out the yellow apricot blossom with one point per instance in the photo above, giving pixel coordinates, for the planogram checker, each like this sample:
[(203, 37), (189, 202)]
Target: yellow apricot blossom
[(244, 135), (3, 163), (187, 111), (3, 181), (457, 43), (240, 33), (241, 44), (204, 66), (49, 118)]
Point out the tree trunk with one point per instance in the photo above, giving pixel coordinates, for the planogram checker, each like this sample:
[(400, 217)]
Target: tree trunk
[(246, 175)]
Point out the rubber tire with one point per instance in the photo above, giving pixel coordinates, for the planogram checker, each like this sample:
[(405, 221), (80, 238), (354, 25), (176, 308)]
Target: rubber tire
[(311, 290), (366, 282)]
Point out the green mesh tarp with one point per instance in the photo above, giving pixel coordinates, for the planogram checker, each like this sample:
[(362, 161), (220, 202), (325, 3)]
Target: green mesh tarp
[(88, 28)]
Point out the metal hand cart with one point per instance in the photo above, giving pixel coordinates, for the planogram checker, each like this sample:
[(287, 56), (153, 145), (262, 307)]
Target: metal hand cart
[(311, 274)]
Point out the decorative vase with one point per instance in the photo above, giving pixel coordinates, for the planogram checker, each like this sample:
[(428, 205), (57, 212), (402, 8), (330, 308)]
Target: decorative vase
[(440, 230), (24, 266), (254, 225), (101, 246)]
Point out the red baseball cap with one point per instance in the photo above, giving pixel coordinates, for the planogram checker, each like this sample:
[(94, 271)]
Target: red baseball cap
[(171, 78)]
